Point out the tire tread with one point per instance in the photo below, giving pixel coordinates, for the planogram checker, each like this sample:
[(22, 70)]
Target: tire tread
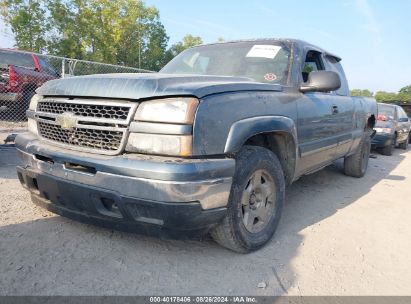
[(353, 163), (225, 233)]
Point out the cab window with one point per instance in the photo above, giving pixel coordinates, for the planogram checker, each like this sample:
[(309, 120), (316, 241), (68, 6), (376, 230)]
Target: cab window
[(46, 67), (313, 62), (402, 115)]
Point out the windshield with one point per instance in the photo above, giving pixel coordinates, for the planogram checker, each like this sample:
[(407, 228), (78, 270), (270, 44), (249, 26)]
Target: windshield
[(386, 112), (261, 61), (16, 58)]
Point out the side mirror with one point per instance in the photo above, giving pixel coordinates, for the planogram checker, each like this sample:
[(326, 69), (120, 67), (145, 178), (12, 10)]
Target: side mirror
[(321, 81)]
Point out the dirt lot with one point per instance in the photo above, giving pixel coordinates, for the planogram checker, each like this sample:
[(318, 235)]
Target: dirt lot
[(338, 236)]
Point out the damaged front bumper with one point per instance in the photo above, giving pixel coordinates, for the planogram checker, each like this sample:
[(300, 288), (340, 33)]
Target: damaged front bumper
[(158, 196)]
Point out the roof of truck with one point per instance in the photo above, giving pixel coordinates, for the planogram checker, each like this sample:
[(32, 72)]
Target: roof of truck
[(299, 42)]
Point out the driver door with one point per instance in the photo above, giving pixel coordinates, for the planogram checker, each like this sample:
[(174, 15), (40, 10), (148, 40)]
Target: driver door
[(316, 121)]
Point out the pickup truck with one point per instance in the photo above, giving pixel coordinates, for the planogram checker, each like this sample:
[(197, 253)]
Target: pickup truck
[(207, 145), (21, 73)]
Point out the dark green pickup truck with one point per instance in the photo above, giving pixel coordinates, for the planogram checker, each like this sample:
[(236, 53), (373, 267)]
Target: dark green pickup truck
[(207, 145)]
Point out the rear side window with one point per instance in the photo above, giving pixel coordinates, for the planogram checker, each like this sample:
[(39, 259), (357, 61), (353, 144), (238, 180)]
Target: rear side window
[(16, 58), (401, 113), (335, 66), (47, 67)]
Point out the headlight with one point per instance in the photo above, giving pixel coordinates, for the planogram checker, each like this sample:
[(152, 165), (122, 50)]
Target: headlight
[(382, 130), (34, 101), (172, 110), (165, 112), (177, 145)]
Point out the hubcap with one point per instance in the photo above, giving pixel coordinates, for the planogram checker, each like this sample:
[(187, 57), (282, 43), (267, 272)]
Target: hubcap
[(258, 201)]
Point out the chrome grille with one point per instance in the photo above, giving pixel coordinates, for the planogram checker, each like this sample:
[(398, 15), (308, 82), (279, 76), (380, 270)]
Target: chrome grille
[(85, 110), (82, 137), (97, 126)]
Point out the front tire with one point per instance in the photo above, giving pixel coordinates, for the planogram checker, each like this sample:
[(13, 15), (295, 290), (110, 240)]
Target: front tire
[(255, 203), (356, 165), (388, 150)]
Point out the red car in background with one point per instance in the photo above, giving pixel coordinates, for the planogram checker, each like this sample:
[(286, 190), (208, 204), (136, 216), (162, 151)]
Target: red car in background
[(21, 73)]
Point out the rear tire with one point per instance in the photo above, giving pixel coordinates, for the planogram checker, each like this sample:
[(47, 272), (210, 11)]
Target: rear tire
[(255, 203), (356, 165)]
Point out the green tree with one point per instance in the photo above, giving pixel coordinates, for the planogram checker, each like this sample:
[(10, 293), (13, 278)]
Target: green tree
[(142, 32), (406, 90), (154, 54), (387, 97), (359, 92), (404, 95), (187, 42), (120, 32), (70, 35), (28, 22), (125, 32)]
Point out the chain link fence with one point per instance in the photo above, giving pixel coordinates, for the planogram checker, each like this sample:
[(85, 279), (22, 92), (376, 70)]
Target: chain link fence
[(21, 73)]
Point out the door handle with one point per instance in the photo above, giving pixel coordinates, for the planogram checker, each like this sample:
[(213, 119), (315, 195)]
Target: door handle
[(334, 109)]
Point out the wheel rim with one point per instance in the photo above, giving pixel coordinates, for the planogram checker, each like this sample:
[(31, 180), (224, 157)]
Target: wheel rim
[(258, 201)]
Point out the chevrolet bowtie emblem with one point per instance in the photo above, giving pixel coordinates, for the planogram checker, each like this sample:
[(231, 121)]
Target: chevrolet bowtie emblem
[(67, 120)]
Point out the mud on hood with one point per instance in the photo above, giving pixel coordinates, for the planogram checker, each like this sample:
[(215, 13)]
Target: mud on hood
[(138, 86)]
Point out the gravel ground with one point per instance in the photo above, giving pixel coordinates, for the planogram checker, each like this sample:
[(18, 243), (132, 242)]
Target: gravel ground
[(338, 236)]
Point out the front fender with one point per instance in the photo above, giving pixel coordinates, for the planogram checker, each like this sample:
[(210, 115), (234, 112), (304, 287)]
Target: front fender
[(244, 129)]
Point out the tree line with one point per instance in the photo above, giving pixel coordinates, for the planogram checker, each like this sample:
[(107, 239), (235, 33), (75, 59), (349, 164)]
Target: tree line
[(402, 96), (123, 32)]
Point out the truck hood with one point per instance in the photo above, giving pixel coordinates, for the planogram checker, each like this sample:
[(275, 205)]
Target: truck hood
[(138, 86)]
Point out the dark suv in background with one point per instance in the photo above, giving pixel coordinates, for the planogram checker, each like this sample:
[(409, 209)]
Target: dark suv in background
[(21, 73), (392, 127)]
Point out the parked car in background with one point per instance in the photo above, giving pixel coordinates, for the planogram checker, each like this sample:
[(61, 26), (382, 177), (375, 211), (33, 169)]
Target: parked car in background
[(21, 73), (392, 127)]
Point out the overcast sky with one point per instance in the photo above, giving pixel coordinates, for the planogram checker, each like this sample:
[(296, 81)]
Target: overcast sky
[(372, 36)]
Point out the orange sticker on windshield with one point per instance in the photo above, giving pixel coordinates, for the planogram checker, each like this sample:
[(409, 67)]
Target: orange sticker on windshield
[(270, 77)]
